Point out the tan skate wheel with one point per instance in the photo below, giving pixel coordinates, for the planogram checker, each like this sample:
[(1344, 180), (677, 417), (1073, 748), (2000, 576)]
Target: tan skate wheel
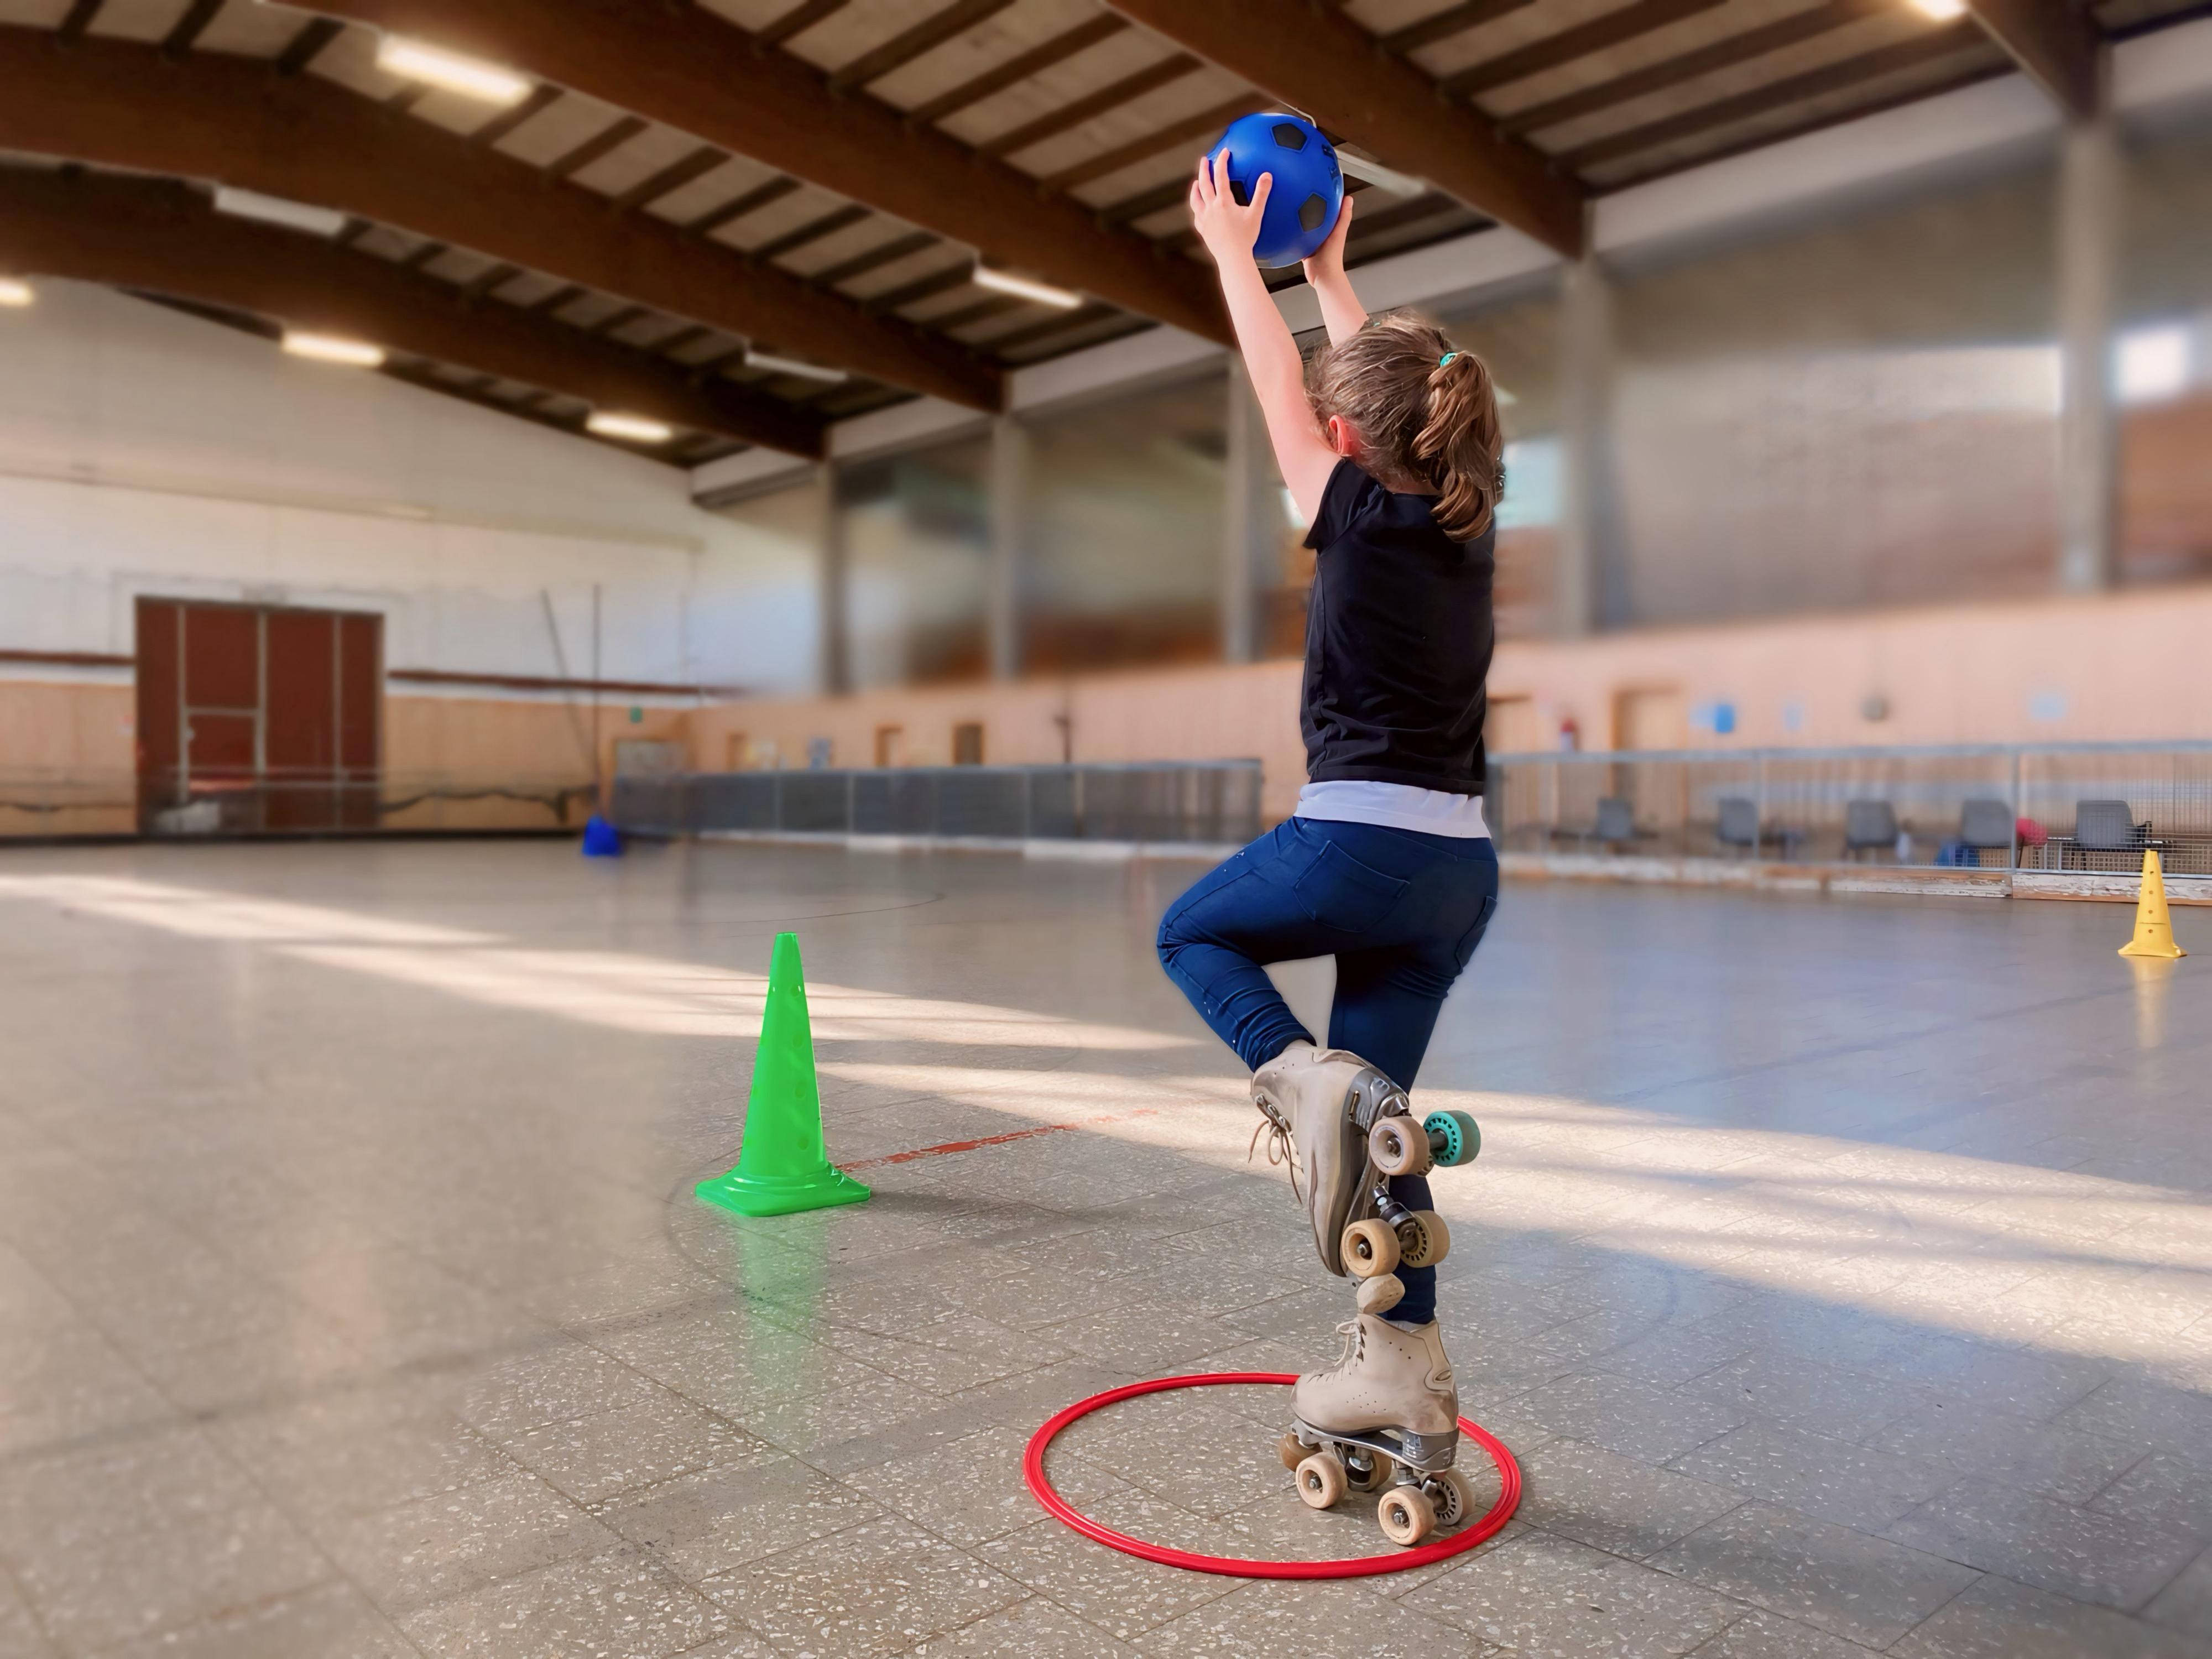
[(1292, 1450), (1407, 1515), (1378, 1296), (1321, 1481), (1455, 1498), (1370, 1249), (1377, 1477), (1423, 1239), (1399, 1146)]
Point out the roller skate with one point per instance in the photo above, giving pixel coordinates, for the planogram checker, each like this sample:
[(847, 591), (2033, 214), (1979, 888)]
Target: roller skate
[(1352, 1129), (1385, 1421)]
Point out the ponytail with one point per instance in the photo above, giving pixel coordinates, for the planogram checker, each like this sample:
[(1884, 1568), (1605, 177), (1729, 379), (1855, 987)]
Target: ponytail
[(1459, 447), (1427, 411)]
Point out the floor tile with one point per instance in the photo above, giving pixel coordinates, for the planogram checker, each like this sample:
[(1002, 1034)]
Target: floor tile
[(879, 1588), (2055, 1546), (332, 1619), (722, 1518), (1031, 1629), (1864, 1589), (619, 1603), (1614, 1503), (1829, 1480), (1537, 1594), (1996, 1618), (660, 1437), (1633, 1418), (431, 1548)]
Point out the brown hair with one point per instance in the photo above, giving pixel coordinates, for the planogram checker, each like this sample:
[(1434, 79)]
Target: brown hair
[(1426, 412)]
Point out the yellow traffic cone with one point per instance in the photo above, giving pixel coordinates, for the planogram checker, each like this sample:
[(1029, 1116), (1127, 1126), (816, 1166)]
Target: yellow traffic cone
[(2154, 927)]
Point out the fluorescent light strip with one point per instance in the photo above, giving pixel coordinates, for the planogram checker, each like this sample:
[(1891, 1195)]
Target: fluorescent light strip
[(768, 363), (636, 429), (1941, 11), (1390, 179), (334, 349), (1043, 294), (13, 291), (277, 210), (470, 77)]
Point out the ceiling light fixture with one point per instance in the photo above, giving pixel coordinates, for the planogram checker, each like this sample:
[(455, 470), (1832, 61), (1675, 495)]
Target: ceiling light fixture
[(470, 77), (768, 363), (636, 429), (1043, 294), (277, 210), (13, 291), (1355, 166), (1941, 11), (333, 348)]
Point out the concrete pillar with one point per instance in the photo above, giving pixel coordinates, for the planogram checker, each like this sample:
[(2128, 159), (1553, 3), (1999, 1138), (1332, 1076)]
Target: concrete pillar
[(1009, 491), (837, 656), (2091, 179), (1586, 365), (1251, 517)]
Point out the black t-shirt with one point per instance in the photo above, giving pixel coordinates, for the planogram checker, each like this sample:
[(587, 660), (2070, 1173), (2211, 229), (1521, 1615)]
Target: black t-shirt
[(1398, 640)]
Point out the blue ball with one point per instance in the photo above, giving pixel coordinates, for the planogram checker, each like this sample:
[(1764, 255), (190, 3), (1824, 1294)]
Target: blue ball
[(1309, 190)]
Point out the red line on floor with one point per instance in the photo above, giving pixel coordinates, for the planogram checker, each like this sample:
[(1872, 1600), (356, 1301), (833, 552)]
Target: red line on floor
[(944, 1147)]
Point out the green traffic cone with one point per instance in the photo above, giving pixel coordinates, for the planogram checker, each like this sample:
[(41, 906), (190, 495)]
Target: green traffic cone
[(782, 1165)]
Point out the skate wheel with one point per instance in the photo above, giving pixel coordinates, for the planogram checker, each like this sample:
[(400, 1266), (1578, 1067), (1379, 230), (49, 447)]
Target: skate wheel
[(1453, 1137), (1407, 1515), (1370, 1249), (1377, 1476), (1380, 1295), (1397, 1147), (1321, 1481), (1423, 1239), (1453, 1498), (1292, 1450)]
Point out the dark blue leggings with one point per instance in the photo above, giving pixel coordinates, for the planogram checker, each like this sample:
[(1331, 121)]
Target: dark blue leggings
[(1400, 912)]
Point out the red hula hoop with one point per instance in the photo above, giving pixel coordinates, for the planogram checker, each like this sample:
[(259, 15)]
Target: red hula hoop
[(1356, 1566)]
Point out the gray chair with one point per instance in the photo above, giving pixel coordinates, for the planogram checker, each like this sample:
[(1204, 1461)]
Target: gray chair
[(1738, 825), (1615, 824), (1985, 826), (2107, 826), (1870, 826)]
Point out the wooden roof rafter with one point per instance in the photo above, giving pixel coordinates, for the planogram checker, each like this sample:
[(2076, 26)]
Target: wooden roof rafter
[(125, 105), (165, 237)]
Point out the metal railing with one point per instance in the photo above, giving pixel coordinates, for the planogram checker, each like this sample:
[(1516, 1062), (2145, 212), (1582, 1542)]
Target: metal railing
[(1203, 801), (48, 803), (2091, 807)]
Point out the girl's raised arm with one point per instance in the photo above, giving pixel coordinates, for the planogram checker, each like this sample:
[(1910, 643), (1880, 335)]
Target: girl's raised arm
[(1271, 356)]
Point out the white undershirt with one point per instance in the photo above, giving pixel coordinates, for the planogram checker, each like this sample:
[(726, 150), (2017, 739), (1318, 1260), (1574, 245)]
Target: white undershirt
[(1395, 806)]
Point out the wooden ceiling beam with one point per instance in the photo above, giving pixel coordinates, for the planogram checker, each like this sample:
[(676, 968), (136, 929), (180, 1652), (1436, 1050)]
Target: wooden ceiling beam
[(1074, 113), (221, 117), (1687, 66), (2056, 43), (1894, 58), (1453, 20), (1599, 33), (165, 238), (926, 36), (690, 70), (1038, 59), (1324, 63)]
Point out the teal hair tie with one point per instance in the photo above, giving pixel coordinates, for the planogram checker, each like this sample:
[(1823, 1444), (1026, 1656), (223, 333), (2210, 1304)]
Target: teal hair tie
[(1444, 361)]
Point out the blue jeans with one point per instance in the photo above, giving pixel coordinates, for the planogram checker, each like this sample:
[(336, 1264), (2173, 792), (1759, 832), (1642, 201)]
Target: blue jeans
[(1400, 912)]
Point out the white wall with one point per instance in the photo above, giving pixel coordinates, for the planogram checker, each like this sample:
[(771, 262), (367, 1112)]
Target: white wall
[(141, 451)]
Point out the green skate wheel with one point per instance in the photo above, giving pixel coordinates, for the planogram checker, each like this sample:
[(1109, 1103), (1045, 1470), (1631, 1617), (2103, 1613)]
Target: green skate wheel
[(1454, 1137)]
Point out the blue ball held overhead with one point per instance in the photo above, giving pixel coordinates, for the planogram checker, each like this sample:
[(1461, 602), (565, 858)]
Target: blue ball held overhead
[(1308, 189)]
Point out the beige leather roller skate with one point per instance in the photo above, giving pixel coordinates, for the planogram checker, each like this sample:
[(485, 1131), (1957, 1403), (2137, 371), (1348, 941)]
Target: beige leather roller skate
[(1319, 1104), (1384, 1421)]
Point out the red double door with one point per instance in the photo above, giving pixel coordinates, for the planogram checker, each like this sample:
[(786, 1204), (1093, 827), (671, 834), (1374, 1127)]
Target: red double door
[(258, 717)]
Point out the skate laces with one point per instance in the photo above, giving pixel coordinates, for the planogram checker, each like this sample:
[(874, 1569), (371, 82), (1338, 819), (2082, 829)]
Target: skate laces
[(1355, 1343), (1281, 1149)]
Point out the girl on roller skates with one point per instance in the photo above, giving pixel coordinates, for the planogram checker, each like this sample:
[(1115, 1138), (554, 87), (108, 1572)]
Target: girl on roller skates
[(1391, 447)]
